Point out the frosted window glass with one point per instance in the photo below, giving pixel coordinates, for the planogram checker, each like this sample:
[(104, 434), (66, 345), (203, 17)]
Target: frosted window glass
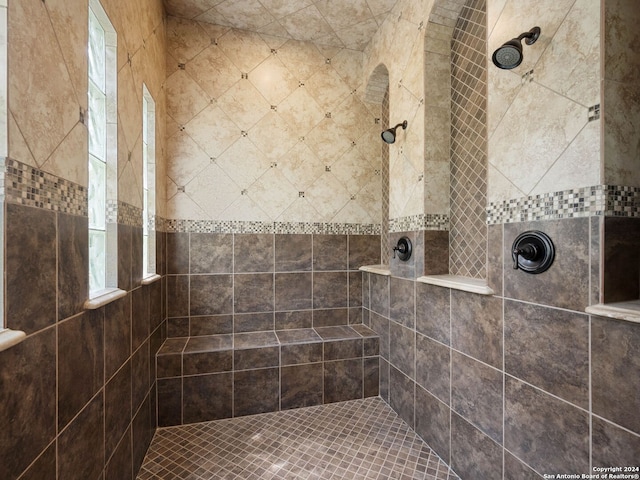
[(97, 52), (97, 193), (97, 122), (97, 260)]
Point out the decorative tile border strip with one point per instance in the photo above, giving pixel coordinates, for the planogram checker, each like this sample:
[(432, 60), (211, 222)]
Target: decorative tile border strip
[(27, 185), (129, 215), (419, 222), (212, 226), (598, 200)]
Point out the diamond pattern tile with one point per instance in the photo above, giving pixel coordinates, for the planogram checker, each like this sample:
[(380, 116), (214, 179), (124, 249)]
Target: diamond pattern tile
[(361, 439)]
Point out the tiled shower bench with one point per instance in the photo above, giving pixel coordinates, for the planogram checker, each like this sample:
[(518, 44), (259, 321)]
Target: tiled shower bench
[(202, 378)]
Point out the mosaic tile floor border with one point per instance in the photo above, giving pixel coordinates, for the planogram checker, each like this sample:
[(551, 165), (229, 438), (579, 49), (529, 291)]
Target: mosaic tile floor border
[(359, 439)]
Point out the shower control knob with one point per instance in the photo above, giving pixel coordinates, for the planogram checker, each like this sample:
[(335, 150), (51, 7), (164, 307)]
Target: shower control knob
[(532, 252), (403, 248)]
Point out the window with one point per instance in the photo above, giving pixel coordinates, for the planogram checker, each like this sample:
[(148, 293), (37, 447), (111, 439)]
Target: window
[(102, 158), (148, 183)]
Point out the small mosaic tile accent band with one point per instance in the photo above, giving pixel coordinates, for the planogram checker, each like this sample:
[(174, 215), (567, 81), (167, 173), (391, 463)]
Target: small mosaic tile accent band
[(598, 200), (129, 215), (212, 226), (29, 186), (420, 222)]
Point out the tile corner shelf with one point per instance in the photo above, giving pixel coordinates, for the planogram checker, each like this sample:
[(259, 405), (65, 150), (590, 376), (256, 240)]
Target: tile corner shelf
[(629, 311), (457, 282), (377, 269)]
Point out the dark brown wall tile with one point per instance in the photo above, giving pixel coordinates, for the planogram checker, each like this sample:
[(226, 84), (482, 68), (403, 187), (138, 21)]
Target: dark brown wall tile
[(514, 469), (473, 454), (117, 334), (206, 362), (139, 316), (433, 367), (169, 402), (136, 256), (178, 327), (207, 397), (262, 357), (330, 317), (293, 253), (548, 434), (343, 349), (169, 365), (301, 353), (402, 346), (436, 253), (409, 268), (613, 446), (301, 385), (402, 301), (73, 264), (384, 379), (253, 253), (83, 459), (256, 391), (44, 468), (177, 253), (329, 252), (211, 294), (25, 431), (342, 380), (380, 294), (80, 364), (253, 322), (548, 348), (402, 395), (30, 269), (117, 407), (178, 295), (211, 253), (433, 422), (120, 465), (371, 377), (615, 371), (597, 226), (293, 291), (433, 317), (289, 320), (363, 250), (476, 394), (380, 325), (140, 375), (366, 290), (330, 290), (621, 276), (143, 428), (355, 289), (156, 300), (211, 325), (571, 240), (476, 326), (253, 293), (356, 315), (125, 255), (495, 252)]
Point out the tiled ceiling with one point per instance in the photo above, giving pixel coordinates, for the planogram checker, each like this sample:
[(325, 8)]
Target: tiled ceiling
[(339, 23)]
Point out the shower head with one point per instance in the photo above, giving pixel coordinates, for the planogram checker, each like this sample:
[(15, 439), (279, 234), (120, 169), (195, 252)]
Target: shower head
[(389, 136), (509, 55)]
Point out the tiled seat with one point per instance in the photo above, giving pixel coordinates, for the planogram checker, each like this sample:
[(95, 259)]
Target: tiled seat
[(210, 377)]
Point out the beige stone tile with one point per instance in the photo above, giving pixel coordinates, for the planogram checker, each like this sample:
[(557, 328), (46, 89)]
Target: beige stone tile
[(437, 135), (244, 104), (370, 198), (301, 166), (182, 207), (185, 39), (413, 77), (578, 166), (306, 24), (541, 142), (301, 111), (274, 40), (245, 14), (403, 180), (273, 136), (499, 188), (436, 187), (245, 49), (273, 192), (213, 71), (282, 8), (357, 36), (40, 92), (348, 64), (437, 80), (69, 160), (213, 131), (438, 39), (302, 58), (18, 148), (353, 117), (213, 17), (328, 141), (503, 87), (185, 98), (212, 190), (570, 65), (300, 210), (130, 185), (370, 145), (379, 7), (494, 9), (353, 212), (342, 15), (129, 106), (273, 80), (327, 195), (353, 171), (190, 9), (243, 162), (172, 126), (244, 209), (214, 31), (186, 158), (327, 88), (415, 201)]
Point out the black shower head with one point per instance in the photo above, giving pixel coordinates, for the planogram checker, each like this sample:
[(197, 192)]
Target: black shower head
[(389, 136), (509, 55)]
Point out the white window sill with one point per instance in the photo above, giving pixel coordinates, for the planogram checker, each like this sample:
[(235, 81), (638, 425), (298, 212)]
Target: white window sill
[(456, 282), (9, 338), (104, 297), (149, 279), (629, 311), (377, 269)]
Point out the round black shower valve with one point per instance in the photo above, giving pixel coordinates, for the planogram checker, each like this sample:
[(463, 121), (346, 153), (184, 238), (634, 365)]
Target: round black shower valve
[(403, 248), (532, 252)]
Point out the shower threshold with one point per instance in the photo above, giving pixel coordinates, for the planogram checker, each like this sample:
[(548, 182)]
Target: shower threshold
[(358, 439)]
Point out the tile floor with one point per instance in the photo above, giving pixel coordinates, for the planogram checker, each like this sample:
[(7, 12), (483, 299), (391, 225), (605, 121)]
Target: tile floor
[(359, 439)]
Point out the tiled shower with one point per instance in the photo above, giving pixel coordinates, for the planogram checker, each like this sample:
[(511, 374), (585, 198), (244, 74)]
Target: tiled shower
[(274, 188)]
